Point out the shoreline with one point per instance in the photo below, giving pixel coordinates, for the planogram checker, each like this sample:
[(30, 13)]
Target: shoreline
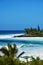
[(11, 36)]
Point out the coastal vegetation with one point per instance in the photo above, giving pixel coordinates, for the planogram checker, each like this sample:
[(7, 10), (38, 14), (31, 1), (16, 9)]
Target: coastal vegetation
[(10, 57), (34, 32)]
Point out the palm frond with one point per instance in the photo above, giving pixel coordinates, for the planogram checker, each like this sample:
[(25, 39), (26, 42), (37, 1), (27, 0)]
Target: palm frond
[(20, 54), (15, 49), (4, 50), (9, 46)]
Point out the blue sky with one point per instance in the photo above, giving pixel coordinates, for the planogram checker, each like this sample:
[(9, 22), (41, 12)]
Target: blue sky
[(20, 14)]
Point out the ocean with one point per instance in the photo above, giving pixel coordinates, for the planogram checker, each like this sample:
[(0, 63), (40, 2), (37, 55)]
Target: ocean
[(6, 32), (30, 47)]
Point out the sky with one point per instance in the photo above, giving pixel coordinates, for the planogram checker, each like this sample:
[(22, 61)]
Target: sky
[(21, 14)]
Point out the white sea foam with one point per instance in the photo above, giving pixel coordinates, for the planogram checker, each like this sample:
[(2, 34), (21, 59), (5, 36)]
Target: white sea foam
[(6, 36), (30, 38), (35, 51), (19, 46), (9, 36)]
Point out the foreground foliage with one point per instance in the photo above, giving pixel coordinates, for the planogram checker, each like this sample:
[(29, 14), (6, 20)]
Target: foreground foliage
[(4, 60), (10, 58), (11, 51)]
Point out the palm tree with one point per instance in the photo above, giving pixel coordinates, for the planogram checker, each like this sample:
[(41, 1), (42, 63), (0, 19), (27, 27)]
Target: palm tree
[(38, 28), (11, 51), (27, 30)]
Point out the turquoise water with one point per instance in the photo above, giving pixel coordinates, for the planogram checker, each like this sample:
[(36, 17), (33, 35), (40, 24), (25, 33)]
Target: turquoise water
[(31, 48)]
